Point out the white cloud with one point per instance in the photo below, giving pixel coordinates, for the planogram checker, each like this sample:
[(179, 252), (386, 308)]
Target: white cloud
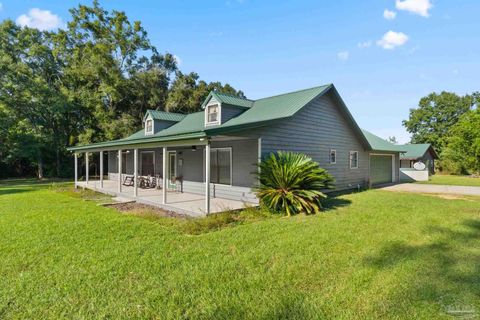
[(419, 7), (365, 44), (392, 39), (40, 19), (389, 15), (177, 60), (343, 55)]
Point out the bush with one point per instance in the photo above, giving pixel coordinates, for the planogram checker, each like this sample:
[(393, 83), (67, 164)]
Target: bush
[(292, 183)]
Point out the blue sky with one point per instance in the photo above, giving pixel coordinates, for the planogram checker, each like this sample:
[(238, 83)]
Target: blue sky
[(382, 55)]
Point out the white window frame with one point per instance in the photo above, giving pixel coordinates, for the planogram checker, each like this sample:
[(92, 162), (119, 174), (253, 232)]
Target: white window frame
[(351, 153), (147, 133), (330, 156), (231, 166), (211, 103)]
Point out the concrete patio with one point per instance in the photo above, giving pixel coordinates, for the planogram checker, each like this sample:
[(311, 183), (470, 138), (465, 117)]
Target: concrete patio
[(185, 203)]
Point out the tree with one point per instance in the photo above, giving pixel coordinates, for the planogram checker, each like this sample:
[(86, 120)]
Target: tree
[(32, 92), (292, 183), (91, 82), (392, 139), (188, 92), (435, 115), (462, 154)]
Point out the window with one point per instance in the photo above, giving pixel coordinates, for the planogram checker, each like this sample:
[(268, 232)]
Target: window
[(333, 156), (353, 159), (149, 126), (212, 114), (221, 166)]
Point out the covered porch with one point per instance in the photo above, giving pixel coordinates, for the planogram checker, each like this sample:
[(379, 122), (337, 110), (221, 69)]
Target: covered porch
[(185, 203), (203, 176)]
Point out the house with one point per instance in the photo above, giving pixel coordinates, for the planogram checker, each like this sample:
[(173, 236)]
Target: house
[(209, 157), (422, 152)]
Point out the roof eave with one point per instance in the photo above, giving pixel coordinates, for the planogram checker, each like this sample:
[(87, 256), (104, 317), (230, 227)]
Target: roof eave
[(350, 117), (142, 141)]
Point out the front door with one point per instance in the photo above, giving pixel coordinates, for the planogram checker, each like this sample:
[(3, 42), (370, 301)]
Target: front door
[(172, 169)]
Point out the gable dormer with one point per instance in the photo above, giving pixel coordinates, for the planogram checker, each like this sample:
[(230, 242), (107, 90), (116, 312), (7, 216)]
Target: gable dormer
[(155, 121), (221, 107)]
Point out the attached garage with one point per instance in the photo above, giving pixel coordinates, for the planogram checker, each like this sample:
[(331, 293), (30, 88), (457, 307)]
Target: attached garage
[(381, 169)]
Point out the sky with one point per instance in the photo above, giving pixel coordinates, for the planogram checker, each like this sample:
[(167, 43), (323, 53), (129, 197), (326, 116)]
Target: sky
[(382, 55)]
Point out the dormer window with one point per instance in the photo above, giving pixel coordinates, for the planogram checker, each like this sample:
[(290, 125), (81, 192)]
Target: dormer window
[(213, 114), (149, 126)]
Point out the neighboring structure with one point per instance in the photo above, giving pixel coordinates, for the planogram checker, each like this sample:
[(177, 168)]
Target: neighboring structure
[(418, 152), (210, 156)]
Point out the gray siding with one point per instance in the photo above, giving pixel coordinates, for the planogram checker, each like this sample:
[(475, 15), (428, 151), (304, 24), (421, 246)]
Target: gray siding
[(229, 112), (113, 162), (314, 130), (429, 161), (162, 124)]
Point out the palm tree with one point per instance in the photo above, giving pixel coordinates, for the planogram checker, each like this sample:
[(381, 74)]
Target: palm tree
[(292, 183)]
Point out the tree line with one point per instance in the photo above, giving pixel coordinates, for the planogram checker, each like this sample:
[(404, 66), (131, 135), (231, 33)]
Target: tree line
[(91, 81), (451, 123)]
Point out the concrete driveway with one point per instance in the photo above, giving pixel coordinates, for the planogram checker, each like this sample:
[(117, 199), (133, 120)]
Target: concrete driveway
[(433, 188)]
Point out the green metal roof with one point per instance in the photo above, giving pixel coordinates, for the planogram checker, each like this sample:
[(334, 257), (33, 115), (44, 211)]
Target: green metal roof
[(228, 99), (162, 115), (379, 144), (415, 151), (276, 107), (259, 112)]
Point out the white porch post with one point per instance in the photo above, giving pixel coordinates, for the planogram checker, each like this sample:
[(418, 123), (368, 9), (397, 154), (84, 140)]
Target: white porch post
[(120, 170), (164, 173), (259, 158), (135, 172), (207, 177), (76, 169), (86, 167), (101, 169)]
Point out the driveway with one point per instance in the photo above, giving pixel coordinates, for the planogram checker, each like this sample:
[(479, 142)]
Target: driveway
[(433, 188)]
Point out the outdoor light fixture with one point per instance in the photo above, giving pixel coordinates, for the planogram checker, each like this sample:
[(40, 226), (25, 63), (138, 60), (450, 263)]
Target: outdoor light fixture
[(194, 148)]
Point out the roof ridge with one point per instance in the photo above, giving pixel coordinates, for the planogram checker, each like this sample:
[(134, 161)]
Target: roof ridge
[(296, 91), (166, 112), (231, 95)]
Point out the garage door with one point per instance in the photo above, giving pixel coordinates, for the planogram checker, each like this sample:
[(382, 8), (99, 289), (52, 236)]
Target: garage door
[(380, 169)]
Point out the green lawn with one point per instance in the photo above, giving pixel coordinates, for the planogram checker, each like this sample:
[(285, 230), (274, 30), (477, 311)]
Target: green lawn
[(373, 254), (452, 180)]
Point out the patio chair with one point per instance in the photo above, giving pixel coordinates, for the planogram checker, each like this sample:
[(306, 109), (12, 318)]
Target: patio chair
[(128, 181), (143, 182), (153, 182)]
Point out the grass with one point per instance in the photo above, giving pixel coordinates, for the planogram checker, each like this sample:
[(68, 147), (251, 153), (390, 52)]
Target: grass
[(373, 254), (452, 180)]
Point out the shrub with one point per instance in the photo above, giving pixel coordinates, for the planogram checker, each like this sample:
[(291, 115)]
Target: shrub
[(292, 183)]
